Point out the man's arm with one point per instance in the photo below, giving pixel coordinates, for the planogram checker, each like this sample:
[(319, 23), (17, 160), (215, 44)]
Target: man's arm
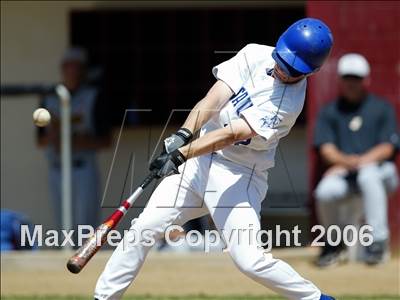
[(378, 153), (49, 135), (231, 75), (102, 125), (334, 157), (238, 130), (168, 163), (215, 99), (388, 137)]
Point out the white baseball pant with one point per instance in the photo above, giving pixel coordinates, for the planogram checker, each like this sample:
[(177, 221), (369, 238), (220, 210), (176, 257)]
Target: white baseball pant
[(374, 182), (232, 194)]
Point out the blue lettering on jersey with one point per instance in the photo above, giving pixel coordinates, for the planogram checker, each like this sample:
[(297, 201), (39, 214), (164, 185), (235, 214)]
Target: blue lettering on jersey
[(270, 121), (241, 101)]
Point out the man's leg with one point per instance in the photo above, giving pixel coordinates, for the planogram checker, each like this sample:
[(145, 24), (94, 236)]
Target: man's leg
[(375, 200), (331, 190), (330, 194), (172, 203), (55, 195), (389, 176), (234, 202), (255, 262), (372, 187), (86, 200)]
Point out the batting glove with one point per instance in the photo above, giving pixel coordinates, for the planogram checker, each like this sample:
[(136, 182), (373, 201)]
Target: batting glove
[(181, 138), (167, 163)]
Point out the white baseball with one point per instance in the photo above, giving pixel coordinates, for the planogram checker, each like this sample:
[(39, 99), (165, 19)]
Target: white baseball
[(41, 117)]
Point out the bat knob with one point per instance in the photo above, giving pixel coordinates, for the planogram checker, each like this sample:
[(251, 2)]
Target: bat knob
[(74, 266)]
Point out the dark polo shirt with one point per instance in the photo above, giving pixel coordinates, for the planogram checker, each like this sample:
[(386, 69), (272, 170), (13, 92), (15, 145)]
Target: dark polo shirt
[(356, 128)]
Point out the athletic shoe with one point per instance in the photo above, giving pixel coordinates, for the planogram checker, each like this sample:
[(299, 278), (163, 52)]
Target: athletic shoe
[(326, 297), (376, 253), (331, 255)]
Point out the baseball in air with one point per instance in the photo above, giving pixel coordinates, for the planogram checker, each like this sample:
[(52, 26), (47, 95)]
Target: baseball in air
[(41, 117)]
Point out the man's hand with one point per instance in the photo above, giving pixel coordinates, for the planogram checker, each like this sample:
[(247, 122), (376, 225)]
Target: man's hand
[(167, 163), (352, 162), (334, 157), (181, 138), (378, 153)]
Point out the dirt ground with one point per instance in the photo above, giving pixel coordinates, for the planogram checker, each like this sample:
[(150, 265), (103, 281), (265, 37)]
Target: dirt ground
[(44, 273)]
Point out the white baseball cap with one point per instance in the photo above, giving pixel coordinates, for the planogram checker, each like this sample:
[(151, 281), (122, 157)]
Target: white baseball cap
[(353, 64)]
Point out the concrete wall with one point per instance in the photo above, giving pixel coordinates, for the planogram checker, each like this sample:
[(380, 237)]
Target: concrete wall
[(33, 37)]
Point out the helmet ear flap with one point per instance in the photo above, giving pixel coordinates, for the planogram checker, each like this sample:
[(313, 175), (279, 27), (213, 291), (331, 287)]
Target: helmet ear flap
[(284, 65)]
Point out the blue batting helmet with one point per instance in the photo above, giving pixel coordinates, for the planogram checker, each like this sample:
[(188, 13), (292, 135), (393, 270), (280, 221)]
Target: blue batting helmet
[(303, 47)]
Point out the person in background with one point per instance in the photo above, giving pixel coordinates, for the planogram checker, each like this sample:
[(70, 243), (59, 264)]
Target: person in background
[(356, 137), (90, 132)]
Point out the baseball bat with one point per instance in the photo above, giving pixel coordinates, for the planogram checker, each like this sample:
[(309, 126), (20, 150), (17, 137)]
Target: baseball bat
[(82, 256)]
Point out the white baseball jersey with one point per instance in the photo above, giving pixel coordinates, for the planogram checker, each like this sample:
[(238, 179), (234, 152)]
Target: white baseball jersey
[(226, 191), (270, 106)]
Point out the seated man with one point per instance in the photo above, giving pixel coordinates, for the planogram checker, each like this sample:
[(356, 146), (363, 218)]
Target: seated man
[(356, 137), (91, 132)]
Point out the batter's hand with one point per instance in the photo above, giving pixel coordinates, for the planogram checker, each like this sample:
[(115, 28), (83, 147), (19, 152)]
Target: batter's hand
[(167, 163), (181, 138)]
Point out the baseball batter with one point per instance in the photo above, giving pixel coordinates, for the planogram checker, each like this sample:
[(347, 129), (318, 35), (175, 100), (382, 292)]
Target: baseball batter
[(255, 101)]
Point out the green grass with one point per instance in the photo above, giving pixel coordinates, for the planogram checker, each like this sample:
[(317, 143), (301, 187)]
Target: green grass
[(189, 298)]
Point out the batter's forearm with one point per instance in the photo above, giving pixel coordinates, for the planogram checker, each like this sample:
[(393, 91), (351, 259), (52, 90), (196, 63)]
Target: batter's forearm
[(238, 130), (208, 106), (199, 115), (208, 143)]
